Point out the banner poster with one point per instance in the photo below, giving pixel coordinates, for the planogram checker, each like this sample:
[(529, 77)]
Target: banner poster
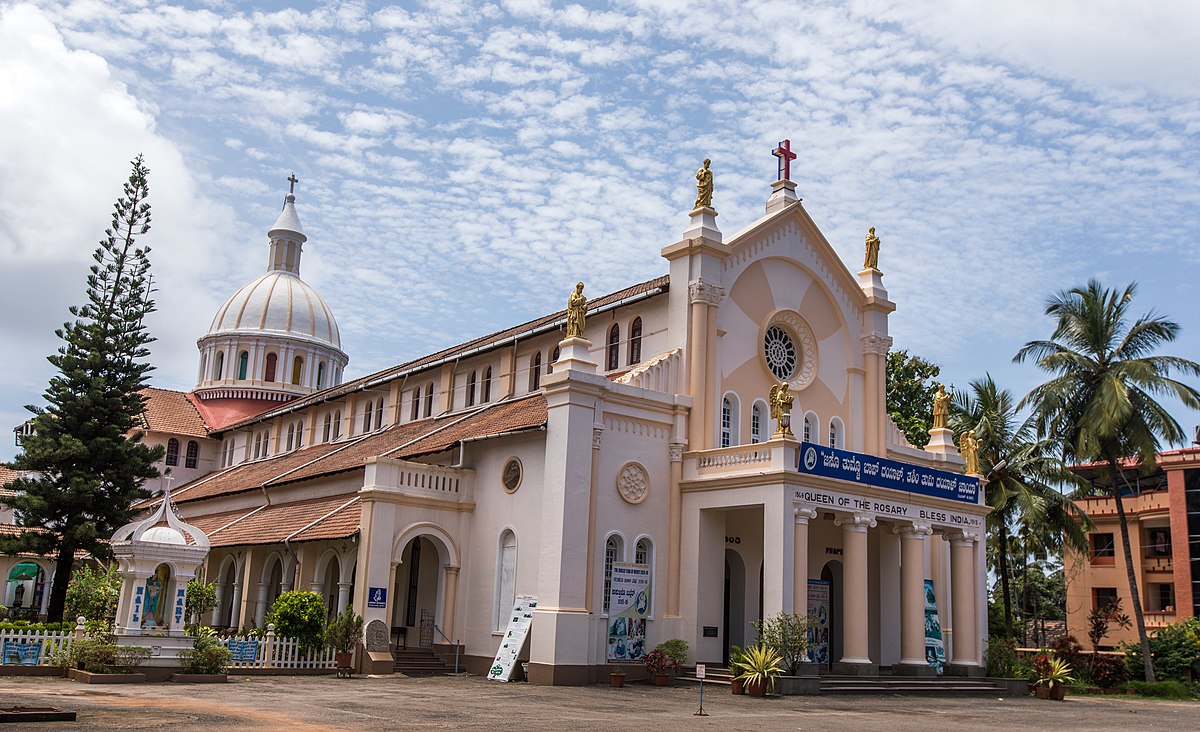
[(22, 653), (514, 638), (935, 651), (818, 610), (628, 607), (243, 650)]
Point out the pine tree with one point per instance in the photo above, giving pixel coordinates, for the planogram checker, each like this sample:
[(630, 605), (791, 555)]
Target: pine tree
[(87, 462)]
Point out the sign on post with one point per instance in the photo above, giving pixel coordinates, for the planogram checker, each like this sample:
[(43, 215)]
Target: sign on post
[(514, 638), (699, 670), (628, 608)]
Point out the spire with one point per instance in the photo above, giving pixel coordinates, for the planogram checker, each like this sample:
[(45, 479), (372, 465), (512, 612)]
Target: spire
[(287, 236)]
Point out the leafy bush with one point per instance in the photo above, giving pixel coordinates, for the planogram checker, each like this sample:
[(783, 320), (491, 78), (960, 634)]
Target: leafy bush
[(1001, 658), (657, 661), (1176, 656), (787, 635), (101, 655), (1109, 672), (41, 627), (759, 665), (198, 600), (93, 593), (676, 650), (207, 656), (1069, 649), (300, 615), (1163, 690), (344, 632)]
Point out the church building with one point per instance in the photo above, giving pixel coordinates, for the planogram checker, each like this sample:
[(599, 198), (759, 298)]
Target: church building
[(722, 428)]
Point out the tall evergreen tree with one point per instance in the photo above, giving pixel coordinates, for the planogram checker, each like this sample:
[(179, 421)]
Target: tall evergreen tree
[(87, 462), (1101, 402)]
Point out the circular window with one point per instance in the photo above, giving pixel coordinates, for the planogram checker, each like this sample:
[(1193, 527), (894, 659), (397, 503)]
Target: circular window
[(633, 482), (780, 351), (511, 477)]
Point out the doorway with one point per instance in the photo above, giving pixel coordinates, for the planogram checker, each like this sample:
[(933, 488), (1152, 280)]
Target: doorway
[(832, 574), (734, 618)]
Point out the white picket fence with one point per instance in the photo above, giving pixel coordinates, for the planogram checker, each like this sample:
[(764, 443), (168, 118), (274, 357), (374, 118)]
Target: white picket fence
[(21, 647), (276, 653)]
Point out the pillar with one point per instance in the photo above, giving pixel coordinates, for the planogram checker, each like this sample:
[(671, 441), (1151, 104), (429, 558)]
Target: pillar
[(235, 610), (856, 660), (260, 607), (698, 340), (674, 528), (343, 596), (449, 607), (800, 560), (964, 660), (913, 549), (220, 589)]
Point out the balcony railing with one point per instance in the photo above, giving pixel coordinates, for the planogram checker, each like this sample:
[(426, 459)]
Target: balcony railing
[(420, 480), (741, 459)]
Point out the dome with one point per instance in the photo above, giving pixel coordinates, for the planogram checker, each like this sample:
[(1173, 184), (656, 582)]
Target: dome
[(164, 535), (280, 303)]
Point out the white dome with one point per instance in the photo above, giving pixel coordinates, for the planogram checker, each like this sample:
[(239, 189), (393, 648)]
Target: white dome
[(281, 303), (164, 535)]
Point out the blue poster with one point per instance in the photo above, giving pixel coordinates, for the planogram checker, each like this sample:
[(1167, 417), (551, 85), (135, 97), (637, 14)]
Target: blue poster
[(243, 650), (22, 653), (935, 649), (856, 467), (818, 630)]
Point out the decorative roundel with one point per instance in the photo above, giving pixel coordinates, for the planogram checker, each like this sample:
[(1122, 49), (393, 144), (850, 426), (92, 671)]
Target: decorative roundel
[(790, 349), (633, 482), (511, 477), (780, 351)]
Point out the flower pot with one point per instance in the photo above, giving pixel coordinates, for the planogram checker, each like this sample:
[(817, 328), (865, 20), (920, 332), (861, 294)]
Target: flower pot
[(344, 662), (1058, 693), (1041, 692), (617, 680), (756, 688), (737, 686), (662, 679)]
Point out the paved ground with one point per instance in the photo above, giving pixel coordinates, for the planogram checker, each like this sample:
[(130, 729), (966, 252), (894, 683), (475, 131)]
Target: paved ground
[(300, 704)]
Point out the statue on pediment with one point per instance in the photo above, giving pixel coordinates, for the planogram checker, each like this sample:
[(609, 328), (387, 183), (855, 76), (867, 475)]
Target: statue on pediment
[(872, 259), (780, 400), (576, 312), (941, 407), (704, 185)]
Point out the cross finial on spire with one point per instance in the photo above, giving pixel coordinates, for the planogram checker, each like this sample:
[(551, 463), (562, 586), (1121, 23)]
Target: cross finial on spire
[(786, 156), (293, 180)]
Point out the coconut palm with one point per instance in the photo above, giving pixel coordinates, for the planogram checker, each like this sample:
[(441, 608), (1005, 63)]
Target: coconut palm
[(1022, 474), (1100, 404)]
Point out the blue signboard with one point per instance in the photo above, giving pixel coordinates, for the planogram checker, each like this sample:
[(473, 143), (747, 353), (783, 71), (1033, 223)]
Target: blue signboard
[(243, 650), (856, 467), (377, 597)]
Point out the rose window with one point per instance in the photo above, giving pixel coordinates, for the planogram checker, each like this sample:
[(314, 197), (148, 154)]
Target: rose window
[(780, 352)]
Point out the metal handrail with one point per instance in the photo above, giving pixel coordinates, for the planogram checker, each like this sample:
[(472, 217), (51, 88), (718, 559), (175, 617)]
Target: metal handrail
[(454, 643)]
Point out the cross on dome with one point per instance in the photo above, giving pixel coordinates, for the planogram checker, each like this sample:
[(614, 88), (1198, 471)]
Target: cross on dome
[(292, 180), (786, 156)]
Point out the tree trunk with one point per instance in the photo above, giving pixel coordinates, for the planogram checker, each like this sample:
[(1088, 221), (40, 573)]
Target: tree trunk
[(58, 589), (1004, 580), (1131, 573)]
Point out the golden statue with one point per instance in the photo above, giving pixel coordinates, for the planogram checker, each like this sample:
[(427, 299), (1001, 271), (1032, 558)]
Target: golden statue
[(781, 408), (968, 447), (704, 185), (872, 260), (941, 408), (576, 312)]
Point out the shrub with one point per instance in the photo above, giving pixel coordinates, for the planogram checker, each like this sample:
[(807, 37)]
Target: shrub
[(1109, 672), (1176, 656), (787, 635), (93, 593), (676, 650), (1163, 689), (42, 627), (300, 615), (1001, 658), (101, 655), (207, 656), (657, 661), (1069, 649), (344, 632)]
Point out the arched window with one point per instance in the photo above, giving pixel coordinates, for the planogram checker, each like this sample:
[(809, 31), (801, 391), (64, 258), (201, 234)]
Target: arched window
[(471, 390), (192, 457), (416, 405), (614, 347), (266, 444), (243, 364), (366, 419), (614, 551), (337, 424), (729, 420), (172, 452), (300, 434), (553, 358), (635, 341), (643, 553), (257, 446), (218, 365), (486, 387), (291, 440), (506, 578), (756, 423), (297, 368), (535, 371), (836, 438), (379, 413), (272, 362), (321, 375), (325, 432), (429, 400), (810, 427)]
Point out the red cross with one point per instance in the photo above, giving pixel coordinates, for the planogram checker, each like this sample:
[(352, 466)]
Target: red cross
[(786, 156)]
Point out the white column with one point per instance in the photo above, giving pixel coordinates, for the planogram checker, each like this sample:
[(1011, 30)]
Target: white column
[(49, 583), (260, 607), (964, 652), (913, 548), (856, 594), (800, 560), (235, 610), (219, 588), (343, 596)]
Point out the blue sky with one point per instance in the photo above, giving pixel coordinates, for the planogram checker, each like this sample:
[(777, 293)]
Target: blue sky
[(462, 164)]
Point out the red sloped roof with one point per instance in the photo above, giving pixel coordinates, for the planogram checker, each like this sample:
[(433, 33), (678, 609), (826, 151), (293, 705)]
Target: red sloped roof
[(172, 412)]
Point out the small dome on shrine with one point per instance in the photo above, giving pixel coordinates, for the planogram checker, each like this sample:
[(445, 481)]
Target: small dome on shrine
[(164, 535)]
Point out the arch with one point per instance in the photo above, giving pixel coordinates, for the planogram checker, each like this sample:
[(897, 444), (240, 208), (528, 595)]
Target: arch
[(271, 367), (759, 423), (811, 431), (337, 424), (291, 438), (203, 365), (643, 553), (326, 428), (268, 565), (416, 405), (227, 578), (614, 347), (553, 359), (320, 374), (172, 457), (323, 564), (535, 371), (734, 614), (471, 389), (506, 577), (429, 400), (730, 414), (614, 552), (837, 433), (297, 369), (486, 386), (635, 341), (218, 365), (379, 413), (366, 420), (243, 364), (299, 434), (440, 538), (192, 457)]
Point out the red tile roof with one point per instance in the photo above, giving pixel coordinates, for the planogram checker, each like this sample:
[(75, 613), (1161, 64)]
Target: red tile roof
[(172, 412), (7, 475), (331, 517)]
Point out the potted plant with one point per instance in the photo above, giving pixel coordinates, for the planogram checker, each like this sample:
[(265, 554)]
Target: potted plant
[(1051, 677), (758, 668), (657, 662), (676, 650), (616, 677), (736, 684), (343, 634)]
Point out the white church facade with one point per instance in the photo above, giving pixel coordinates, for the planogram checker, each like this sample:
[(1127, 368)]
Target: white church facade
[(431, 494)]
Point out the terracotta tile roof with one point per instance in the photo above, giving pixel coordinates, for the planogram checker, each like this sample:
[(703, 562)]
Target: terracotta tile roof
[(172, 412), (407, 440), (7, 475), (14, 530), (642, 290), (331, 517)]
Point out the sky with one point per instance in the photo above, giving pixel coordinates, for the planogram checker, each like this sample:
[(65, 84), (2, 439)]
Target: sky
[(461, 165)]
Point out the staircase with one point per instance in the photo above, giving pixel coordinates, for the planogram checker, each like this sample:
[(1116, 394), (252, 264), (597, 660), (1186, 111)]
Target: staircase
[(419, 662), (873, 685)]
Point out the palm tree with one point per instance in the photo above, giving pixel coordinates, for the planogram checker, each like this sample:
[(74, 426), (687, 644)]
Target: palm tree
[(1100, 402), (1022, 473)]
